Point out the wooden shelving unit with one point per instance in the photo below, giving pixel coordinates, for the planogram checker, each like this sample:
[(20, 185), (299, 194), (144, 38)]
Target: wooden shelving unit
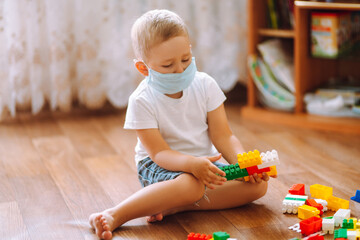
[(309, 72)]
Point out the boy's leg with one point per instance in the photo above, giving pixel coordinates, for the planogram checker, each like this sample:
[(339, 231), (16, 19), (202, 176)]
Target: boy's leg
[(184, 190), (229, 195)]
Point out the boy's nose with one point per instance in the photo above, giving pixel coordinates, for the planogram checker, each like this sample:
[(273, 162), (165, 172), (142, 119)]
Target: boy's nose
[(179, 69)]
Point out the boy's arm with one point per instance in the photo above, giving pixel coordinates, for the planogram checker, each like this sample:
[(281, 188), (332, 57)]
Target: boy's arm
[(221, 135), (165, 157)]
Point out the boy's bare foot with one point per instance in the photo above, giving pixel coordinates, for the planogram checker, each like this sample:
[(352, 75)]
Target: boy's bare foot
[(102, 223), (155, 218)]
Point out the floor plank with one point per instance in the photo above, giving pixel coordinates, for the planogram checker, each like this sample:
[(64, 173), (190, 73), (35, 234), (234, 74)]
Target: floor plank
[(57, 169), (12, 225)]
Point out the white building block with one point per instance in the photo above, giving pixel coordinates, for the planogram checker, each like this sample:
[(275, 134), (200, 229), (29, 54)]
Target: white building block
[(269, 159), (328, 225), (351, 235), (340, 215), (295, 227), (323, 203), (291, 203)]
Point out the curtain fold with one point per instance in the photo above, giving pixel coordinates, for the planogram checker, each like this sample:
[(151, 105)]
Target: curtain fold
[(57, 52)]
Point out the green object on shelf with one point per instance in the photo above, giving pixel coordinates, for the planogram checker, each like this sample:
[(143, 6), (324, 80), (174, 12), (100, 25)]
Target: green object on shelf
[(220, 235)]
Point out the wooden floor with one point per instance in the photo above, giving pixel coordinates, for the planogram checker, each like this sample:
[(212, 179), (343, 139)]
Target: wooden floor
[(56, 169)]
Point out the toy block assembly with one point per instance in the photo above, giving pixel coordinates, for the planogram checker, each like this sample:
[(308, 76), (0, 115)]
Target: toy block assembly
[(323, 203), (291, 203), (306, 211), (320, 191), (348, 224), (310, 225), (356, 198), (297, 189), (251, 163)]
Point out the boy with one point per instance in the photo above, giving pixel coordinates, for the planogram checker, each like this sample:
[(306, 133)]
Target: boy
[(181, 125)]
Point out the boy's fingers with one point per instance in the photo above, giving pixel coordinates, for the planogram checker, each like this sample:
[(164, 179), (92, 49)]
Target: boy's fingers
[(265, 177), (217, 170), (215, 158)]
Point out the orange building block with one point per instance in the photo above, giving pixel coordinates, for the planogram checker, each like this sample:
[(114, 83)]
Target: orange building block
[(305, 212), (335, 203)]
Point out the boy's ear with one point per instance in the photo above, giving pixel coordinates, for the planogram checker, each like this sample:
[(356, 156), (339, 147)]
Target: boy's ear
[(142, 68)]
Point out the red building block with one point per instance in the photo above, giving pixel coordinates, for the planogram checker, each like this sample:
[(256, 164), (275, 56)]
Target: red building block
[(297, 189), (198, 236), (313, 203), (255, 169), (316, 237), (310, 225)]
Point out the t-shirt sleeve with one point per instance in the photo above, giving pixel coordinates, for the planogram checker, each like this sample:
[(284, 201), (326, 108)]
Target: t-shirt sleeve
[(140, 114), (214, 95)]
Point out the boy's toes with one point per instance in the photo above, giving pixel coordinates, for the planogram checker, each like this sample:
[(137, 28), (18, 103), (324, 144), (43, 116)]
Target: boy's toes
[(106, 235)]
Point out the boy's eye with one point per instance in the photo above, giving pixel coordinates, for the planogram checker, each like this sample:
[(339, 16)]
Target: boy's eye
[(186, 60), (166, 66)]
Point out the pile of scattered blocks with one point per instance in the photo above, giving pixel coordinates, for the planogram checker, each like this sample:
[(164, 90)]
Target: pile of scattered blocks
[(310, 210), (251, 163)]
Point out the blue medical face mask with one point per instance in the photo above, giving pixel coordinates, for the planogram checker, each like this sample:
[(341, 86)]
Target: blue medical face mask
[(170, 83)]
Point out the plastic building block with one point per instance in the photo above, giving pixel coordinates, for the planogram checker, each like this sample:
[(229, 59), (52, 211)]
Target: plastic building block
[(313, 203), (249, 159), (297, 189), (255, 169), (335, 203), (291, 203), (295, 227), (340, 215), (198, 236), (323, 203), (328, 225), (340, 233), (220, 236), (310, 225), (306, 211), (349, 223), (351, 235), (234, 171), (320, 191), (273, 171), (356, 198), (269, 159), (316, 237)]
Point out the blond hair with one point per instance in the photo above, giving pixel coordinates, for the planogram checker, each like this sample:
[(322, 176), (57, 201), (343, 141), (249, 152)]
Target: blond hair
[(154, 27)]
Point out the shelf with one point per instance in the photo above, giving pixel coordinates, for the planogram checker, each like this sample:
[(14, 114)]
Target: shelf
[(302, 120), (327, 6), (281, 33)]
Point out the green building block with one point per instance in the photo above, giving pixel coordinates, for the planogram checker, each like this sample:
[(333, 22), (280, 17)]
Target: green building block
[(340, 233), (348, 225), (234, 171), (220, 235)]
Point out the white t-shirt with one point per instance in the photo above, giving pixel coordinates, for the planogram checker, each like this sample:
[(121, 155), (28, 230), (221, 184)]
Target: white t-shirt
[(182, 122)]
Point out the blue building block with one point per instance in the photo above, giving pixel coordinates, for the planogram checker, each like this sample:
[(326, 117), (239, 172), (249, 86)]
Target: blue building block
[(356, 198)]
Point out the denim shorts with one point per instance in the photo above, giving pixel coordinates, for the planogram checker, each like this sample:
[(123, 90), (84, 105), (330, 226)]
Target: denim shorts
[(149, 172)]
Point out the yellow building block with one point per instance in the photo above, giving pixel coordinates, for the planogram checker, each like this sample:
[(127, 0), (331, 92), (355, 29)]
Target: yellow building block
[(249, 159), (320, 191), (272, 172), (306, 211), (335, 203)]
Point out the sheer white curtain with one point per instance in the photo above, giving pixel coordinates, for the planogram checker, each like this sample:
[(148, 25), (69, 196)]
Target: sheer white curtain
[(55, 52)]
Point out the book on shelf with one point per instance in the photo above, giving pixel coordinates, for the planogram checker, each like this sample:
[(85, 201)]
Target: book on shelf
[(280, 14)]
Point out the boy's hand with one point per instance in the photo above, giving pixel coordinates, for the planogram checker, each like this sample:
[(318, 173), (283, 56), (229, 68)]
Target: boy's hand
[(210, 175), (256, 179)]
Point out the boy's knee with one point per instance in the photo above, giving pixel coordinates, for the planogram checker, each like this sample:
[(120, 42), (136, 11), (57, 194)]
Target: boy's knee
[(260, 190), (190, 188)]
